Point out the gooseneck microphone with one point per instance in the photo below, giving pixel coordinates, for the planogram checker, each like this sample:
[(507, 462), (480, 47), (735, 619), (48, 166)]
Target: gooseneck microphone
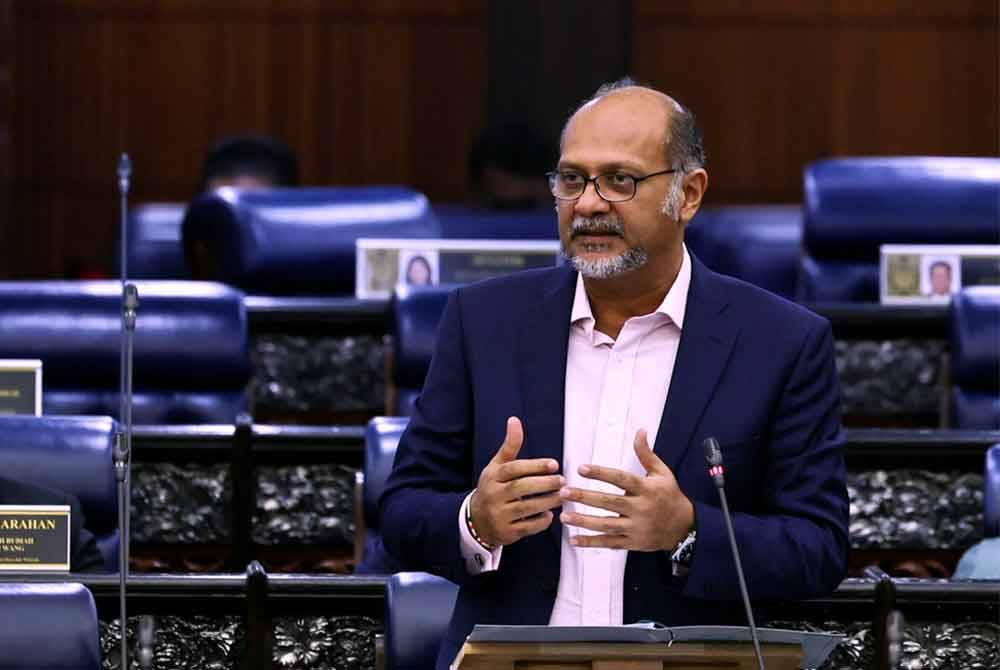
[(713, 454), (122, 453)]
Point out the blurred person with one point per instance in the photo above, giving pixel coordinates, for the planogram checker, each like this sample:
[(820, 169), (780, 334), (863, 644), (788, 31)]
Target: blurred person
[(507, 165)]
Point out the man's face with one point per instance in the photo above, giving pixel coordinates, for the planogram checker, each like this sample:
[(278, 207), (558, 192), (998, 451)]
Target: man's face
[(941, 280), (620, 133)]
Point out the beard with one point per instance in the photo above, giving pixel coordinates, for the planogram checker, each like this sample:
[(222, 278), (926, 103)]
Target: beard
[(603, 268)]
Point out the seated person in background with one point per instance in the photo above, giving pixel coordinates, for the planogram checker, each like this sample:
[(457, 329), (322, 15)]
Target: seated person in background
[(247, 162), (84, 554), (592, 386), (507, 166), (940, 279)]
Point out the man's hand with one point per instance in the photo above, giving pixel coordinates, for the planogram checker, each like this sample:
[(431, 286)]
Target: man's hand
[(653, 515), (513, 497)]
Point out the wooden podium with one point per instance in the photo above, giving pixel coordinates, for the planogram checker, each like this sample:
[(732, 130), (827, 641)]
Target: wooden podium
[(623, 656)]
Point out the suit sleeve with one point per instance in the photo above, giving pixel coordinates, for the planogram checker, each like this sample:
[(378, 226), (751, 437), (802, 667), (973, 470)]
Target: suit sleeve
[(433, 470), (797, 546)]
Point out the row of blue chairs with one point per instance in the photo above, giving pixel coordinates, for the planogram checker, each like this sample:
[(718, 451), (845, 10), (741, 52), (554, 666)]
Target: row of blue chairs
[(301, 241)]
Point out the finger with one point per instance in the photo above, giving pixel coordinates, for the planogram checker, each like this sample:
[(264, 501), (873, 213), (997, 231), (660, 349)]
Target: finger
[(512, 441), (529, 507), (609, 501), (532, 525), (650, 461), (601, 541), (611, 525), (527, 467), (532, 486), (623, 480)]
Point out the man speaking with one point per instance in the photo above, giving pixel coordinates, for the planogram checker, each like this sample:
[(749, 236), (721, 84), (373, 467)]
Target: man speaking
[(553, 465)]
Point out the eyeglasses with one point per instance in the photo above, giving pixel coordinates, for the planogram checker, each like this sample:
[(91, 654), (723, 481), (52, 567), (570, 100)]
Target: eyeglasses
[(611, 186)]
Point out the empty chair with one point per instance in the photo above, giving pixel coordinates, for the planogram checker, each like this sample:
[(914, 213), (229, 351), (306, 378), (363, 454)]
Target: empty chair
[(853, 205), (982, 561), (760, 244), (381, 439), (418, 607), (72, 454), (153, 245), (975, 356), (416, 314), (298, 241), (463, 222), (48, 627), (192, 352)]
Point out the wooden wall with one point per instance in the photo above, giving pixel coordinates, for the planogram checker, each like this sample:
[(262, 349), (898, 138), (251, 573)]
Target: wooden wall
[(393, 91), (779, 83), (366, 91)]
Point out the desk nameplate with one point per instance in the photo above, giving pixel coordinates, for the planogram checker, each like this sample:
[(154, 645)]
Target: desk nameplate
[(34, 537)]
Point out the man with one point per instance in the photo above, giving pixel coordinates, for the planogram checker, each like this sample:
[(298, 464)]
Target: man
[(591, 388), (940, 279), (83, 551)]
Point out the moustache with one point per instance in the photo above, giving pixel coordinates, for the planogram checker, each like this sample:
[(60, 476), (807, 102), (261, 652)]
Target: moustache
[(597, 224)]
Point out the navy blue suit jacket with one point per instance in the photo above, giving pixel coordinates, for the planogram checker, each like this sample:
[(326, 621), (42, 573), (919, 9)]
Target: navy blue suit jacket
[(753, 370)]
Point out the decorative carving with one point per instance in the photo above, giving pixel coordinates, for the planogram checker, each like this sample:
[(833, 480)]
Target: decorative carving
[(181, 504), (302, 504), (890, 376)]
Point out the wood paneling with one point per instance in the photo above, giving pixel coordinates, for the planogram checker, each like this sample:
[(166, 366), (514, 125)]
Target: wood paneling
[(365, 91), (777, 84)]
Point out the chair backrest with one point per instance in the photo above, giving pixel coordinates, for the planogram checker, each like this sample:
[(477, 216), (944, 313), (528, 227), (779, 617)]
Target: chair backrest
[(192, 348), (853, 205), (48, 627), (153, 246), (416, 315), (470, 223), (975, 356), (71, 454), (760, 244), (300, 241), (418, 608), (381, 439), (991, 492)]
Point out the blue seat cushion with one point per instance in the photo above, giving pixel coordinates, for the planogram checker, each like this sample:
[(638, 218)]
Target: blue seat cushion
[(152, 407), (416, 315), (418, 607), (381, 439), (470, 223), (48, 626), (154, 249)]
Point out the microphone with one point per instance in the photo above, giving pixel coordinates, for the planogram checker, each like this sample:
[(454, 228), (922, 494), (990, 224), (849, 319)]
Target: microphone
[(122, 452), (717, 471), (144, 645)]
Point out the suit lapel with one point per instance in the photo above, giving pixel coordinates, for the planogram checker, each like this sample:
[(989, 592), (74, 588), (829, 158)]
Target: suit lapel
[(541, 361), (707, 339)]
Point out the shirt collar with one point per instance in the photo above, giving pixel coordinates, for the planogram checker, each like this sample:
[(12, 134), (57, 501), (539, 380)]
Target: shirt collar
[(674, 304)]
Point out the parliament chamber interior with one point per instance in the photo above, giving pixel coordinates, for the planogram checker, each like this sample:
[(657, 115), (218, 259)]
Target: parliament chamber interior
[(274, 361)]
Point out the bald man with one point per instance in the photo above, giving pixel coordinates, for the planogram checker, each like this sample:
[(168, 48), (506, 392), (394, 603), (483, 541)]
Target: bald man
[(553, 466)]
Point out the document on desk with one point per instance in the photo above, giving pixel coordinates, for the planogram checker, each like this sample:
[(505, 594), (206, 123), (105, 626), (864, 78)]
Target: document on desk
[(815, 646)]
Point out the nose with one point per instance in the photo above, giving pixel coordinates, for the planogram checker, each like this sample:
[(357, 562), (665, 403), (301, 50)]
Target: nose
[(590, 203)]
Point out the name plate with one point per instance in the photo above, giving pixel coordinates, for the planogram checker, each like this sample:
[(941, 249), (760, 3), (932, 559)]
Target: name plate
[(385, 264), (21, 387), (34, 537), (912, 274)]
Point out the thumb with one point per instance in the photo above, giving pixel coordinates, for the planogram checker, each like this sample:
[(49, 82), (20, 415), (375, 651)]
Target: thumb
[(512, 441), (650, 461)]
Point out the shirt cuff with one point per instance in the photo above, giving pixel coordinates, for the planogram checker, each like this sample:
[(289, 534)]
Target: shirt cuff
[(477, 558)]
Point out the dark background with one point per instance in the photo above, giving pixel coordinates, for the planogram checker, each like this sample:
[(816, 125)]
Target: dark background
[(384, 91)]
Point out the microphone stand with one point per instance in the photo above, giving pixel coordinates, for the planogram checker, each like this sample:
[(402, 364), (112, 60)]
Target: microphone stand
[(713, 454), (122, 453)]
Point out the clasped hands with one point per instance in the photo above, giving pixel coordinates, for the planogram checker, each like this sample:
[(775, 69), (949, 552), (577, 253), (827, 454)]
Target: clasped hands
[(514, 499)]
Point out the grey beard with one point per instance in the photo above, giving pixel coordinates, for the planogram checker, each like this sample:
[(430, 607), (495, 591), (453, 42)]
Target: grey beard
[(605, 268)]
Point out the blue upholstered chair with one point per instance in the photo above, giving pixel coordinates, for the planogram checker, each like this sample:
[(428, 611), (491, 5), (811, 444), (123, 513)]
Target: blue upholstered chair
[(153, 246), (982, 561), (418, 607), (975, 356), (416, 314), (381, 439), (853, 205), (70, 454), (760, 244), (192, 360), (470, 223), (300, 241), (48, 627)]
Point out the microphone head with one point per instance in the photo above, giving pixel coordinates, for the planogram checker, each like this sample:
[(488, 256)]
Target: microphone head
[(713, 453), (124, 166)]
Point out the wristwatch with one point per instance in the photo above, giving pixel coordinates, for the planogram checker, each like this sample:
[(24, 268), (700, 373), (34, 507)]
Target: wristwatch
[(680, 557)]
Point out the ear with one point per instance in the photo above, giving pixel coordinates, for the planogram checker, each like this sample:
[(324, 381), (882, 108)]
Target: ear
[(695, 185)]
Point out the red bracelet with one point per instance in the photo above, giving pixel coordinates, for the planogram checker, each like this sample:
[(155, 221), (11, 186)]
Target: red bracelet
[(472, 529)]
